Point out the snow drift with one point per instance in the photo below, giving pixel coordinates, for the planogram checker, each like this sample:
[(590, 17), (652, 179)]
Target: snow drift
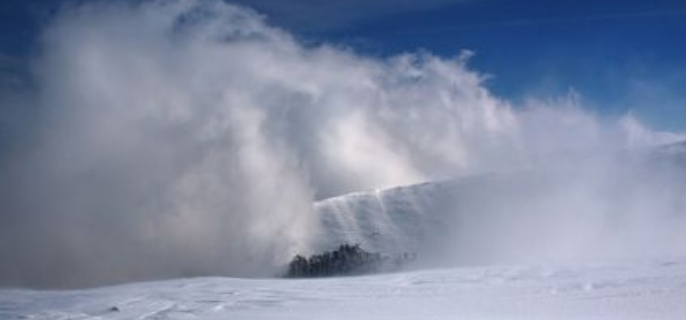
[(638, 291), (185, 138)]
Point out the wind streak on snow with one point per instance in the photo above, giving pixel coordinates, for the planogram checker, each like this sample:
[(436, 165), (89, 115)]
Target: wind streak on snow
[(630, 210)]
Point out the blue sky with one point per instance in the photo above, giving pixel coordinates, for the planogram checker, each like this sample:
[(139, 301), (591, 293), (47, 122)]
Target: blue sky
[(619, 55)]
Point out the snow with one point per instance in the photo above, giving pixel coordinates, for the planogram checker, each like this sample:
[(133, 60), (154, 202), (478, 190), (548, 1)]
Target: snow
[(640, 290), (413, 219), (627, 210)]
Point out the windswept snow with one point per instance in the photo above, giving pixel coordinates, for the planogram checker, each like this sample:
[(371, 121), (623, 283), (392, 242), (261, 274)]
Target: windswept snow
[(616, 212), (647, 290), (455, 220)]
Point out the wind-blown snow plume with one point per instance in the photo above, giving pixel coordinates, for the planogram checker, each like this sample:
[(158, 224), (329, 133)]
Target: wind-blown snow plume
[(180, 138)]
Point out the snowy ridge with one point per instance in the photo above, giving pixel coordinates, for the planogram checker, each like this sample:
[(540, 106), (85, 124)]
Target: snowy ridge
[(435, 217), (400, 219), (390, 221), (521, 217)]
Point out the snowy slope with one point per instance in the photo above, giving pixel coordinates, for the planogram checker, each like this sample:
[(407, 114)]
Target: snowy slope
[(632, 208), (427, 218), (648, 290)]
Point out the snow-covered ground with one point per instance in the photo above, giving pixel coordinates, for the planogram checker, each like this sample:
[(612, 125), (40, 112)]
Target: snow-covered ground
[(645, 290)]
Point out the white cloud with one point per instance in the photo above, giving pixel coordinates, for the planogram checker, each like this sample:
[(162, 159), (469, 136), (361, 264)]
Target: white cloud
[(189, 138)]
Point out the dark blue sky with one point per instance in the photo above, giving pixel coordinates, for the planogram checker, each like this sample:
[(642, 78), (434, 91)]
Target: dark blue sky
[(619, 55)]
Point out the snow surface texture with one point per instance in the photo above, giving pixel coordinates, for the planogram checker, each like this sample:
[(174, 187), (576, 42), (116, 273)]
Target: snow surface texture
[(647, 290)]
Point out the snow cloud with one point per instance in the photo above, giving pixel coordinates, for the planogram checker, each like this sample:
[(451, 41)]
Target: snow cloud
[(187, 138)]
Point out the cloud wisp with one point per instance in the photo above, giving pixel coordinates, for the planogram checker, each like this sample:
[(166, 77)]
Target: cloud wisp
[(186, 138)]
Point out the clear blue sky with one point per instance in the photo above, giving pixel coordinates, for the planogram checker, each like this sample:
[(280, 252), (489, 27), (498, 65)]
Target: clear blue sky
[(619, 55)]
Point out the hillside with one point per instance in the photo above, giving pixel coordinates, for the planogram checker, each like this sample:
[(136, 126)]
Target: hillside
[(619, 209)]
